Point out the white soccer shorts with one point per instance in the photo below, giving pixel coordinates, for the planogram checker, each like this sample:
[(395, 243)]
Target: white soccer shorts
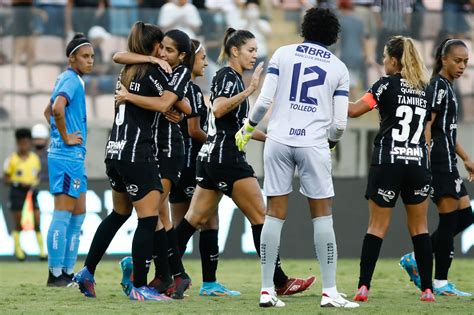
[(313, 164)]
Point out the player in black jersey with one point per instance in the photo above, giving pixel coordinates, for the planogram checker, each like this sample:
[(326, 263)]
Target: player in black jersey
[(169, 152), (448, 191), (131, 168), (194, 130), (221, 167), (399, 160)]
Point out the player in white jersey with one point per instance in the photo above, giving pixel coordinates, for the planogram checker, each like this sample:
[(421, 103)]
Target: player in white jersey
[(309, 87)]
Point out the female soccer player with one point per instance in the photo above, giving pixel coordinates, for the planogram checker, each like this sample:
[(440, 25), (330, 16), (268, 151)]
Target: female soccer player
[(449, 193), (67, 116), (169, 151), (309, 86), (221, 167), (194, 129), (400, 158), (130, 165)]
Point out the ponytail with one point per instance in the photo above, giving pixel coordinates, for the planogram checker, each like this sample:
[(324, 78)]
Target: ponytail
[(442, 50), (233, 38), (413, 67)]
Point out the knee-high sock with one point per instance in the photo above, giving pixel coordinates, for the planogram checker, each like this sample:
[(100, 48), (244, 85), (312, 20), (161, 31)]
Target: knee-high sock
[(368, 258), (73, 235), (269, 247), (102, 238), (326, 252), (424, 259), (444, 244), (279, 278), (142, 249), (57, 240), (209, 250), (184, 232), (160, 255), (465, 219), (174, 255)]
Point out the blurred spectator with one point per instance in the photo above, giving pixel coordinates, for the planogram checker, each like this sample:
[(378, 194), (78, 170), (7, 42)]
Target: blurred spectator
[(363, 11), (182, 15), (353, 46), (393, 18), (123, 14), (103, 78), (293, 10), (252, 21), (81, 15), (416, 24), (148, 10), (455, 13), (53, 22), (227, 10), (40, 135)]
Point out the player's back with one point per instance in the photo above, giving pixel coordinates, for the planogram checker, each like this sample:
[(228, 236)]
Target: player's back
[(309, 76)]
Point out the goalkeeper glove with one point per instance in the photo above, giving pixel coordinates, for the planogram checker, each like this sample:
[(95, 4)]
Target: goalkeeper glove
[(243, 136)]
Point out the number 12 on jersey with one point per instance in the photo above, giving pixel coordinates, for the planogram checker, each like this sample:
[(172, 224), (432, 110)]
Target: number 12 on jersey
[(305, 85)]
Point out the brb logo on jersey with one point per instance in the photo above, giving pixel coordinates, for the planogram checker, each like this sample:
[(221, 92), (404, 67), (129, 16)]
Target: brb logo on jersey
[(387, 195), (313, 51)]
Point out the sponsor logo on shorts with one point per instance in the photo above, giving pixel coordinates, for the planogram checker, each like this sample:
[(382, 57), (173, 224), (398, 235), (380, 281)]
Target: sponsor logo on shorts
[(76, 184), (132, 189), (189, 191), (423, 191), (222, 186), (112, 183), (199, 179), (387, 195), (458, 182), (115, 147)]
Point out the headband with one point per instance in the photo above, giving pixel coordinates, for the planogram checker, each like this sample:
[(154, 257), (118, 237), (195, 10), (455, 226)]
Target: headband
[(75, 44), (198, 49)]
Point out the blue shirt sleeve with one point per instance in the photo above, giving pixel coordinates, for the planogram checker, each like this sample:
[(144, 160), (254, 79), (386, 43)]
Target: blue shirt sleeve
[(68, 89)]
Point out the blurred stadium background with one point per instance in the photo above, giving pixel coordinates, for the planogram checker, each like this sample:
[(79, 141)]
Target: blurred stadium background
[(32, 42)]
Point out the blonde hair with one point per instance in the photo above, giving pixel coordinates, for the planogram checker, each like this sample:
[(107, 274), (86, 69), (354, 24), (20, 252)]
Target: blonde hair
[(414, 70)]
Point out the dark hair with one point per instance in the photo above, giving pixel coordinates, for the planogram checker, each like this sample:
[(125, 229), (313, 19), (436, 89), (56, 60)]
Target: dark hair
[(320, 25), (183, 44), (233, 38), (77, 41), (413, 68), (22, 133), (442, 50), (142, 40), (190, 58)]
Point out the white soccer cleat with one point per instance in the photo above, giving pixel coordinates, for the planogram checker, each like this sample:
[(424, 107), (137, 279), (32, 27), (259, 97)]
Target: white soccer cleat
[(270, 300), (340, 301)]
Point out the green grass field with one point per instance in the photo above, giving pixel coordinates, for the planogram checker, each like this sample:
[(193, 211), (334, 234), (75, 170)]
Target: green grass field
[(23, 290)]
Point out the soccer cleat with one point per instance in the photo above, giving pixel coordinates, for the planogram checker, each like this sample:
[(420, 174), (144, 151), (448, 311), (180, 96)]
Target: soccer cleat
[(216, 289), (181, 283), (408, 262), (340, 301), (59, 281), (269, 300), (68, 278), (20, 254), (450, 290), (362, 294), (295, 285), (427, 296), (146, 294), (161, 285), (86, 282), (126, 264)]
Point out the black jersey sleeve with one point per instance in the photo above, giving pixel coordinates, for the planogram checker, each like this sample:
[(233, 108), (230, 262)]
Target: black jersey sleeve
[(193, 94), (225, 84), (439, 94), (379, 89), (179, 81), (157, 80)]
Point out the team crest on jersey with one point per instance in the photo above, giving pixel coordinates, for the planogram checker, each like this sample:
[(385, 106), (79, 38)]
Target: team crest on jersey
[(440, 96), (387, 195), (76, 184)]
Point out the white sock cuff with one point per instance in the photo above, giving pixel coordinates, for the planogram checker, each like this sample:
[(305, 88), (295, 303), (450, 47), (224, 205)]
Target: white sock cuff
[(322, 219), (273, 219)]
